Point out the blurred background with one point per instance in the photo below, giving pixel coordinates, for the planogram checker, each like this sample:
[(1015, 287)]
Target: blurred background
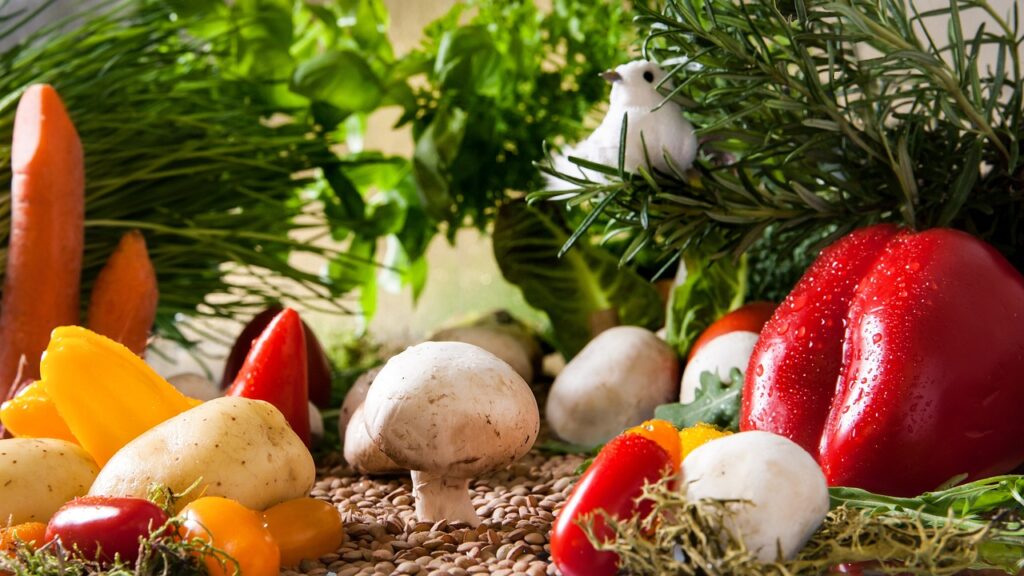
[(380, 139), (463, 278)]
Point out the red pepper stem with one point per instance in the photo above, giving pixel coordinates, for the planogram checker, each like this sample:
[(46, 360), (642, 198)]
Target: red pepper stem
[(442, 497)]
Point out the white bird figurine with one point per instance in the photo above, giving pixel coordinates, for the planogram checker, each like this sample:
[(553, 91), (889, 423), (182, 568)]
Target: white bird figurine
[(663, 130)]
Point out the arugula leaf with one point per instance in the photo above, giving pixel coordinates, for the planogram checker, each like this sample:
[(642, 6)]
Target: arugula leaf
[(574, 289), (716, 402), (713, 287)]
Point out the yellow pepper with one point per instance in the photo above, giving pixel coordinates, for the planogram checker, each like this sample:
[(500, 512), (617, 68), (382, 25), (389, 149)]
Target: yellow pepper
[(694, 436), (32, 414), (105, 393)]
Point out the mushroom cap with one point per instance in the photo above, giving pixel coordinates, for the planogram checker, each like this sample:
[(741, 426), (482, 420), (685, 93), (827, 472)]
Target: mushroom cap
[(195, 386), (451, 409), (355, 397), (720, 355), (494, 340), (359, 450), (781, 491)]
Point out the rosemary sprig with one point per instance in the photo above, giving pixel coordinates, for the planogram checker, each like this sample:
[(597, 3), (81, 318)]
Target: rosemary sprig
[(836, 114)]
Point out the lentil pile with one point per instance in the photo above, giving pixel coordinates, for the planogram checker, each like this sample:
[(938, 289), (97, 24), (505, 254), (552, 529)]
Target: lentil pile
[(516, 506)]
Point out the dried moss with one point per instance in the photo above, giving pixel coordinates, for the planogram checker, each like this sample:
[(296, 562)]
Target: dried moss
[(689, 539)]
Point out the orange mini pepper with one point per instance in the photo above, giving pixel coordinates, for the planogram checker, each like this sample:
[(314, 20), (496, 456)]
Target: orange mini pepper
[(107, 395), (237, 531), (32, 414), (31, 533), (665, 434)]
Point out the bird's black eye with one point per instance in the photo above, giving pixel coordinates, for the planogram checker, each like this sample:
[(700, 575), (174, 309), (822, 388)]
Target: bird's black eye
[(649, 76)]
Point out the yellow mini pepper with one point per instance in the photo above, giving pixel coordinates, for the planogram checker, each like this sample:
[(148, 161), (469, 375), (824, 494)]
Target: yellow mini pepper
[(696, 436), (105, 393), (32, 414)]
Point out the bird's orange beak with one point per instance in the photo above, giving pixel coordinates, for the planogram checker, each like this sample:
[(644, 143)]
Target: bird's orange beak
[(610, 76)]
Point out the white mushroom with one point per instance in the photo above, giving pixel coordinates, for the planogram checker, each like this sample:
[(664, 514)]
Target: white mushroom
[(615, 382), (780, 492), (316, 422), (450, 411), (361, 453), (195, 386), (355, 397), (500, 343), (718, 356)]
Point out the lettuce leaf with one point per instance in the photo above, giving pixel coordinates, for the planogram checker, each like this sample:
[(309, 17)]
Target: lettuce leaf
[(713, 287), (574, 290)]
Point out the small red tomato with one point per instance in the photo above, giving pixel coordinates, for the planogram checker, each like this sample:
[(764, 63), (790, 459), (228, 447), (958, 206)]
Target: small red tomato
[(747, 318), (612, 484), (102, 527)]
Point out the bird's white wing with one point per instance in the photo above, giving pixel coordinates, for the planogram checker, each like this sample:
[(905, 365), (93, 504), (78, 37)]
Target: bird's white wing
[(561, 164), (598, 147), (650, 136), (666, 132)]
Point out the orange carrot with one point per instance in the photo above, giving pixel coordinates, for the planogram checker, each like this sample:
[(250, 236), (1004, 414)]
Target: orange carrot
[(44, 257), (123, 302)]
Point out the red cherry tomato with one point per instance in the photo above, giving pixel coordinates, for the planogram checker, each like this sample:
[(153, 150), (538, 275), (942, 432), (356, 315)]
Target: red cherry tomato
[(304, 528), (612, 483), (748, 318), (101, 527)]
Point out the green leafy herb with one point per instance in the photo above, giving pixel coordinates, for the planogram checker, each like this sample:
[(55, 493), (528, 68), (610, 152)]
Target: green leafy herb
[(574, 290), (716, 402), (819, 116), (501, 78), (712, 288), (971, 501), (178, 144), (993, 506)]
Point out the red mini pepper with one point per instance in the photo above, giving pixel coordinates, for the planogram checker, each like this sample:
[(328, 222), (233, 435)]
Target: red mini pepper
[(275, 371), (612, 483), (318, 367), (897, 360)]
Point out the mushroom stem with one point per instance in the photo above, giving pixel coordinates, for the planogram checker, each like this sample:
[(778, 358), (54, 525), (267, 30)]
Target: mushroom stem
[(442, 497)]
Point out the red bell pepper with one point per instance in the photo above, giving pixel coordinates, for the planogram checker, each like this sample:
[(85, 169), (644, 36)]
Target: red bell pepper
[(275, 371), (896, 360), (612, 483), (318, 367)]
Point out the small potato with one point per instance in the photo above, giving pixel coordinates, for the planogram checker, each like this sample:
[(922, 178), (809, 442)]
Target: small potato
[(615, 382), (241, 449), (38, 475)]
